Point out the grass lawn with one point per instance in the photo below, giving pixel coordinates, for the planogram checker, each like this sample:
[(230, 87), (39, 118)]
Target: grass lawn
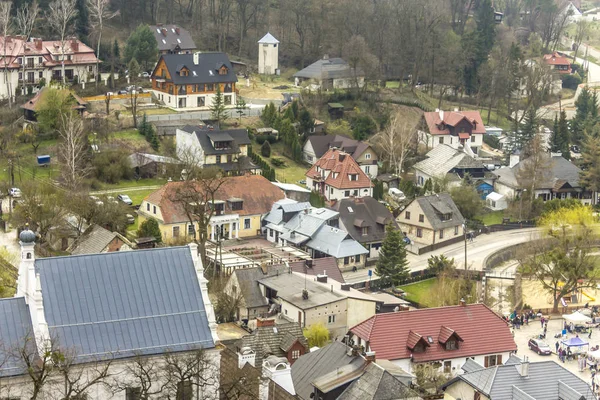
[(420, 292), (132, 184), (137, 195), (293, 172), (150, 111), (492, 218), (392, 84)]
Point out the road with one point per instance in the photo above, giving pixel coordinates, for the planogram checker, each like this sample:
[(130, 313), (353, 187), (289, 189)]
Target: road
[(253, 110), (477, 250)]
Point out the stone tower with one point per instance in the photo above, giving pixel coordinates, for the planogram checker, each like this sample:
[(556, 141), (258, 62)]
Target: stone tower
[(268, 55)]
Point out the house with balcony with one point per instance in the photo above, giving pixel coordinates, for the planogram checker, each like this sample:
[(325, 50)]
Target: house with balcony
[(559, 63), (317, 145), (238, 211), (29, 62), (184, 81), (209, 147), (173, 39), (337, 176), (453, 128)]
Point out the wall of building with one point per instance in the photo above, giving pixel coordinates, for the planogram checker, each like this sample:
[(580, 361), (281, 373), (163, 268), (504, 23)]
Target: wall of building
[(351, 262), (268, 58), (309, 153), (188, 147), (191, 100), (361, 310), (332, 193), (321, 314), (461, 390)]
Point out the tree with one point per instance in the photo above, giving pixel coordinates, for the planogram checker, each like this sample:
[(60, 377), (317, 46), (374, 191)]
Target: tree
[(134, 69), (562, 263), (99, 12), (142, 46), (438, 264), (8, 275), (582, 31), (133, 102), (217, 108), (60, 20), (590, 172), (268, 114), (529, 128), (564, 138), (392, 265), (586, 114), (72, 151), (53, 105), (82, 22), (363, 126), (150, 228), (395, 143), (25, 20), (317, 335), (360, 59), (5, 26), (307, 122), (184, 371), (467, 199), (265, 149), (240, 106), (196, 196), (154, 142), (533, 171)]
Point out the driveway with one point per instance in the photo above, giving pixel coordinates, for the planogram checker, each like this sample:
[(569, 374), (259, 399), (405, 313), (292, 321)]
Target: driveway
[(253, 110)]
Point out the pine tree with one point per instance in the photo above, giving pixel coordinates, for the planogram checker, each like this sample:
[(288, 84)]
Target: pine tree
[(589, 177), (116, 52), (295, 110), (82, 22), (289, 114), (217, 109), (154, 142), (143, 128), (392, 265), (529, 128), (134, 69), (265, 149), (555, 139), (563, 128)]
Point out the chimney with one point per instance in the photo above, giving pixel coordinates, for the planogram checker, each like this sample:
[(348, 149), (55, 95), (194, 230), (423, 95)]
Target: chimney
[(322, 278), (264, 322), (463, 303), (163, 31), (196, 58), (514, 159), (38, 43), (263, 267), (346, 287), (246, 355), (524, 367), (75, 45), (441, 115), (370, 356), (177, 30)]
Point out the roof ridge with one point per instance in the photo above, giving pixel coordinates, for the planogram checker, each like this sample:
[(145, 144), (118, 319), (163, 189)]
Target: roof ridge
[(113, 253)]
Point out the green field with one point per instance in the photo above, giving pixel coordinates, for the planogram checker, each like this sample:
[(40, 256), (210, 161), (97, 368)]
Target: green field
[(292, 172), (420, 292), (492, 218)]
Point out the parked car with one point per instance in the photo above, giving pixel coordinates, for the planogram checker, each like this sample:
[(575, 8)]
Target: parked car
[(125, 199), (539, 347), (14, 192), (141, 89), (130, 219), (97, 200), (575, 149), (144, 74), (123, 91)]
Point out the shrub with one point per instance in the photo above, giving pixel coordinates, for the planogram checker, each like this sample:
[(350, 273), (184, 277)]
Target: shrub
[(570, 81), (278, 162), (112, 166), (149, 228), (265, 149)]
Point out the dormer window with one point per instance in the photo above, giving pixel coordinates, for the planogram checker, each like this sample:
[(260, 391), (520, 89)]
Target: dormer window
[(451, 345), (353, 177), (446, 217), (236, 204), (365, 230), (223, 70)]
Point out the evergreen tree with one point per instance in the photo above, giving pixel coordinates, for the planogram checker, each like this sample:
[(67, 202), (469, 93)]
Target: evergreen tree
[(240, 106), (268, 115), (116, 52), (392, 265), (586, 114), (150, 228), (217, 109), (134, 69), (295, 110), (528, 129), (428, 187), (564, 139), (289, 114), (82, 21), (265, 149), (154, 142), (589, 177), (144, 128), (307, 122), (142, 46), (555, 144), (478, 44)]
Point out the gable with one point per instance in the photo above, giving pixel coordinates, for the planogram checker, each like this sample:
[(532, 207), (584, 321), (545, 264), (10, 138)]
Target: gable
[(159, 68)]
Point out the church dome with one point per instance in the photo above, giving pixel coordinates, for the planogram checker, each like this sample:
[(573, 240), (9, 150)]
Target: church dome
[(27, 236)]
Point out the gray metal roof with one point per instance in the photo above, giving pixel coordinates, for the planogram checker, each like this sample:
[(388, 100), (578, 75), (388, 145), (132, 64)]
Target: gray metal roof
[(435, 204), (294, 207), (327, 68), (335, 242), (545, 380), (470, 366), (125, 303), (442, 159), (15, 330), (318, 363), (268, 340), (141, 159), (558, 169), (206, 71), (268, 39), (248, 282), (168, 41), (93, 241)]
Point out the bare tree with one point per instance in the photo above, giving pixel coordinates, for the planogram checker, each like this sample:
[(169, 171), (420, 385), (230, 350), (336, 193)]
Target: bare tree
[(133, 102), (25, 21), (360, 59), (197, 196), (37, 361), (143, 373), (583, 30), (72, 150), (99, 12), (5, 26), (395, 143), (80, 378), (533, 171), (61, 14), (187, 372)]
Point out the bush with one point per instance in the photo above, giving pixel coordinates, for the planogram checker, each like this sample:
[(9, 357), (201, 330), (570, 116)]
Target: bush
[(278, 162), (112, 166), (570, 81), (491, 141), (149, 228), (265, 149)]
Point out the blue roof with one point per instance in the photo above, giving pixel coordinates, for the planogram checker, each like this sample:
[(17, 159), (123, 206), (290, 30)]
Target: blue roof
[(15, 327), (122, 304)]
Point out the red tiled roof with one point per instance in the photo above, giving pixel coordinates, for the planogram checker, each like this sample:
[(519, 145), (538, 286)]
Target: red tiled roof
[(482, 332), (556, 59), (413, 339), (320, 265), (446, 333), (338, 167), (256, 191), (452, 118)]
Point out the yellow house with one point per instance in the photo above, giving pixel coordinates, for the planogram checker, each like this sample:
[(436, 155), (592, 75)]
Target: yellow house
[(240, 203)]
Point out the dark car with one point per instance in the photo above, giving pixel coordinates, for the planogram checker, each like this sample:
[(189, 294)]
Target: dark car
[(122, 91), (539, 347)]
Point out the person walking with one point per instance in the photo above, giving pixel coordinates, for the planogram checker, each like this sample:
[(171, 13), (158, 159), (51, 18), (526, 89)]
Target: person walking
[(556, 345), (542, 321), (590, 335)]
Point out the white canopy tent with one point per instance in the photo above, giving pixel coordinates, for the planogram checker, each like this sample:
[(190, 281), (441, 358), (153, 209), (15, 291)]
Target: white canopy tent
[(496, 201), (594, 354), (577, 318)]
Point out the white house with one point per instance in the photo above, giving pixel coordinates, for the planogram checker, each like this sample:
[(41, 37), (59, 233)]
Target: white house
[(79, 306), (444, 336), (453, 128), (268, 55), (317, 145)]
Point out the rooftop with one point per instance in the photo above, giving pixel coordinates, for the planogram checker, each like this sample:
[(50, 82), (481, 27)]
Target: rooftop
[(341, 171), (327, 68), (439, 121), (443, 158), (172, 37)]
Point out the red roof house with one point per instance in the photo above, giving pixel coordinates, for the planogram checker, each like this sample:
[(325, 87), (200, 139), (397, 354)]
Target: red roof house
[(338, 176), (558, 63), (448, 335), (454, 128)]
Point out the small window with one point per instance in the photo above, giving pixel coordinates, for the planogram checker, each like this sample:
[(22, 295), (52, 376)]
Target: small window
[(477, 396), (246, 223), (270, 232), (40, 60), (331, 319), (355, 192), (218, 157), (41, 74), (28, 256), (175, 231), (447, 367), (456, 230), (407, 215), (347, 193), (357, 258), (154, 209), (295, 354), (346, 260), (185, 390), (365, 230), (191, 230), (147, 206), (331, 191), (133, 393), (419, 232), (367, 156), (421, 218), (441, 233), (451, 345), (441, 140)]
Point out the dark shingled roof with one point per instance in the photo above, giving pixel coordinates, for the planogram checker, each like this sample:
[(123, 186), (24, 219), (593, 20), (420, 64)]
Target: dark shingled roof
[(433, 205), (268, 340), (545, 380), (204, 72), (321, 144), (125, 303), (169, 41), (239, 137), (320, 265), (368, 212), (15, 329), (377, 384), (248, 282), (93, 241), (318, 363)]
